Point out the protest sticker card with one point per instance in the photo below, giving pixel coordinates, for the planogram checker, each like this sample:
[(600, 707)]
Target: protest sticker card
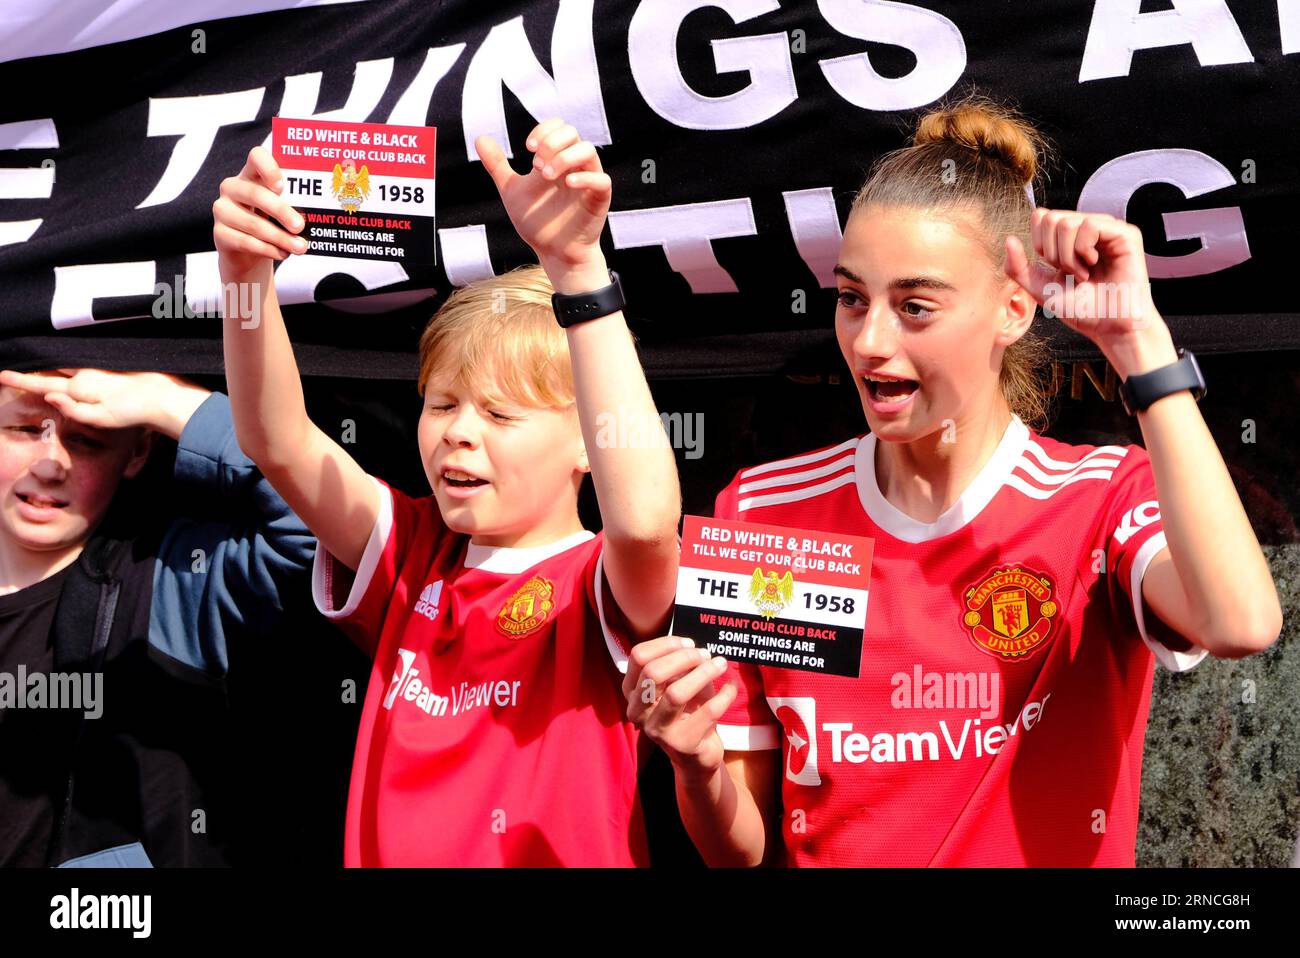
[(772, 595), (364, 189)]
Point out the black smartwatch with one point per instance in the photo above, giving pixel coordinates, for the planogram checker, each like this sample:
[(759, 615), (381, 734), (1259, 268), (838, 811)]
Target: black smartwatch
[(580, 307), (1140, 391)]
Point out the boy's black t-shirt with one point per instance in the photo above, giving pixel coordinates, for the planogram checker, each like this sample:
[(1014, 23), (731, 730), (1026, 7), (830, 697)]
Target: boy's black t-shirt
[(32, 775)]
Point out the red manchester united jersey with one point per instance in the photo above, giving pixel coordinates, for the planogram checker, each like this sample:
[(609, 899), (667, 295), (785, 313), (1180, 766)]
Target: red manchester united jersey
[(1006, 664), (493, 730)]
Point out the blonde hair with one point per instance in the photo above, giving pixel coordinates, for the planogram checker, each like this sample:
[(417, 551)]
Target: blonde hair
[(500, 334), (974, 154)]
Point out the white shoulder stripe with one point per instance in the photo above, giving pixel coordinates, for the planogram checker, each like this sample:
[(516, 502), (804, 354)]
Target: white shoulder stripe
[(796, 495), (1037, 492), (1041, 455), (1056, 478), (794, 478), (800, 460)]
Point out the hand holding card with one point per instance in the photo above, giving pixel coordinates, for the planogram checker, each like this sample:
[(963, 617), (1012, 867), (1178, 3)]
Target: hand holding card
[(252, 220), (670, 692)]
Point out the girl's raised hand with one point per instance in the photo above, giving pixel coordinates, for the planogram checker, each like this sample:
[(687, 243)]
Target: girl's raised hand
[(1091, 274)]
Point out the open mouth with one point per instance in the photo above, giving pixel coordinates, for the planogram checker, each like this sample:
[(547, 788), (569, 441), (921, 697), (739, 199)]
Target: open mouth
[(889, 389), (462, 480), (42, 502)]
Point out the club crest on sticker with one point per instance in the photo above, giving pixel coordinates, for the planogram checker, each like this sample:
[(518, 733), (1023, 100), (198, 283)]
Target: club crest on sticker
[(1009, 613), (528, 608), (769, 594), (349, 186)]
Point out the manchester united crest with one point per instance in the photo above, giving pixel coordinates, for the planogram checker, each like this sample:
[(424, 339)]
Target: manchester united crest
[(528, 608), (1009, 613), (769, 594)]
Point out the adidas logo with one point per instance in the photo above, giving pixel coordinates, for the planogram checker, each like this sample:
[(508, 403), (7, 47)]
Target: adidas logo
[(427, 605)]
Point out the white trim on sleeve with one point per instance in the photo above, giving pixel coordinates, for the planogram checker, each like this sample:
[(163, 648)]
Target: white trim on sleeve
[(616, 650), (749, 738), (1171, 660), (365, 569)]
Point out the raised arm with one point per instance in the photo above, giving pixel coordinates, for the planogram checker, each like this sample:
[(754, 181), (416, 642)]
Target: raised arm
[(1210, 540), (333, 495), (559, 209)]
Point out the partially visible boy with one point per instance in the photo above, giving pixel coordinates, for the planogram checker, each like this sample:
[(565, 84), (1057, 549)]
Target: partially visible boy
[(135, 611)]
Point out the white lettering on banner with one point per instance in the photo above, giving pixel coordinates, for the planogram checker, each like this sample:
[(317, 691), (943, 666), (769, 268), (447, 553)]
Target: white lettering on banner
[(815, 226), (686, 233), (932, 38), (1222, 231), (506, 59), (196, 120), (31, 183), (77, 287), (1137, 518), (297, 277), (369, 82), (652, 53), (413, 106), (1119, 28), (203, 287), (465, 255), (1288, 21)]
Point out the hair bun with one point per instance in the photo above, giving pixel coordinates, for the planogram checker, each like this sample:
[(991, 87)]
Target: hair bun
[(982, 124)]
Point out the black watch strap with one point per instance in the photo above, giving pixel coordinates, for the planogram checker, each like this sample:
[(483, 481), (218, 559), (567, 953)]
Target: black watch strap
[(580, 307), (1140, 391)]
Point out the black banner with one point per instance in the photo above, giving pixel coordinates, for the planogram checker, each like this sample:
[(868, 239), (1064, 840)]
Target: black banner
[(736, 133)]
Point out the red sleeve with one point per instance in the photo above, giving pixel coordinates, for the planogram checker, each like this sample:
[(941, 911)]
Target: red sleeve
[(1134, 534), (361, 612), (748, 724)]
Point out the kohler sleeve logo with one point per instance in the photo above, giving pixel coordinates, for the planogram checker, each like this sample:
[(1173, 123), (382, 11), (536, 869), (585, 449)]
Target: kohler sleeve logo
[(1137, 518)]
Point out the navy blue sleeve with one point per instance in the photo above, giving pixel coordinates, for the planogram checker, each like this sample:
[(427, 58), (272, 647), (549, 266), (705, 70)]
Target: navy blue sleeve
[(227, 571)]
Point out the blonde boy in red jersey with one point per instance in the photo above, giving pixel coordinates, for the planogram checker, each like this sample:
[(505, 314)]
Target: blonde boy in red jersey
[(493, 731)]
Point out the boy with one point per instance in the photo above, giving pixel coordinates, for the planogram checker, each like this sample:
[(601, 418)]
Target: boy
[(137, 610), (493, 731)]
